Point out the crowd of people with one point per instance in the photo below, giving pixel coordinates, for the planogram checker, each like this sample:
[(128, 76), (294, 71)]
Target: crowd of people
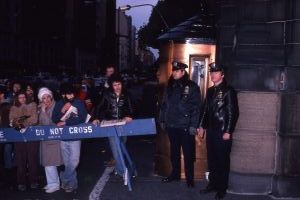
[(23, 106)]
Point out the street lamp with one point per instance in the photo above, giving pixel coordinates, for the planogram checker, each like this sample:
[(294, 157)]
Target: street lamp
[(128, 7)]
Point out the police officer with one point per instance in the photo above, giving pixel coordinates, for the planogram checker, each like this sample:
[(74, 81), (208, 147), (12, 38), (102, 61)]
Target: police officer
[(179, 115), (218, 117)]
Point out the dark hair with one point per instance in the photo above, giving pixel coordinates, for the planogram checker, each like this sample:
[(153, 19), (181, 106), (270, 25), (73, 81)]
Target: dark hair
[(115, 78), (110, 66), (31, 85), (11, 85), (16, 98), (66, 88), (31, 98)]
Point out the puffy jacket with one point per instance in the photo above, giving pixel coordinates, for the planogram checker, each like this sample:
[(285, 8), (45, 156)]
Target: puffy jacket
[(112, 107), (74, 119), (220, 111), (181, 103)]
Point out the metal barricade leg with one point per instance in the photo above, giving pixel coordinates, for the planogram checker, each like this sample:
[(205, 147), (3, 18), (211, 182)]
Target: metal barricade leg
[(132, 168), (127, 178)]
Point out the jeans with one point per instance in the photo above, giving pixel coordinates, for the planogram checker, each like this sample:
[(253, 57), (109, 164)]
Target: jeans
[(52, 176), (71, 155), (113, 145)]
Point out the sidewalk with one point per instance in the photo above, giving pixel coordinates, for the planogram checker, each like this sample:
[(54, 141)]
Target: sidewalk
[(151, 188), (147, 186)]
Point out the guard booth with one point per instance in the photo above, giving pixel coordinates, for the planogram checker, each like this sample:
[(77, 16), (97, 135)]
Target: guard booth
[(191, 42)]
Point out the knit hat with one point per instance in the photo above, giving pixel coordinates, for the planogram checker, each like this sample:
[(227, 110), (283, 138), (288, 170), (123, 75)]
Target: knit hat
[(44, 91)]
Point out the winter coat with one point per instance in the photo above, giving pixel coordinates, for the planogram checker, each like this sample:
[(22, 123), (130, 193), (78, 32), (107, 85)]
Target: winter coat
[(29, 110), (221, 109), (181, 103), (50, 150), (112, 107), (74, 119)]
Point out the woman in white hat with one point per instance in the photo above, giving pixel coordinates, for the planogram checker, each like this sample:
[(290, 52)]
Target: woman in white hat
[(50, 150)]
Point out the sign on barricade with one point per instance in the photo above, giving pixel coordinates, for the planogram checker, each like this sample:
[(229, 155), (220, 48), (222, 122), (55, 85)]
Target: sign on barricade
[(81, 131)]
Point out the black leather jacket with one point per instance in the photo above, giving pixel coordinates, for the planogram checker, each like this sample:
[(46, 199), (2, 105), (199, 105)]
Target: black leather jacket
[(220, 110), (181, 103), (111, 107)]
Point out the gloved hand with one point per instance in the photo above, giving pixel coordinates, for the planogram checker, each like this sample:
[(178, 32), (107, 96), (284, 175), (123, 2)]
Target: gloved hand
[(162, 125), (192, 131)]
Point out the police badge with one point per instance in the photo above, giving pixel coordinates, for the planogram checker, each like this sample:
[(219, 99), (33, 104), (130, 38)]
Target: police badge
[(220, 98), (185, 91)]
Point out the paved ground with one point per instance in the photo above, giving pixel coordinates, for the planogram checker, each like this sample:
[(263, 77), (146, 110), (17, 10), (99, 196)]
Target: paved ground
[(146, 185), (90, 169)]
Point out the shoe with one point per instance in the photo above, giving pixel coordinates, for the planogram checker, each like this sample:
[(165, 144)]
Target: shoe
[(125, 177), (21, 187), (52, 189), (110, 163), (190, 184), (63, 186), (45, 187), (34, 185), (69, 190), (170, 179), (220, 195), (208, 189)]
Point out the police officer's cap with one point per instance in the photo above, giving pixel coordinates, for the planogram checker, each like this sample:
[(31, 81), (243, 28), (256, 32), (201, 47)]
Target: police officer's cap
[(178, 65), (213, 67)]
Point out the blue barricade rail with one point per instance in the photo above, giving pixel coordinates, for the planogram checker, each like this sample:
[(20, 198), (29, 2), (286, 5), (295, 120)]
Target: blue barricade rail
[(81, 131)]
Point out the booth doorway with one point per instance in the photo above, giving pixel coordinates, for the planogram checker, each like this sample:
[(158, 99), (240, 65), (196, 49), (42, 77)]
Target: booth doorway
[(199, 72)]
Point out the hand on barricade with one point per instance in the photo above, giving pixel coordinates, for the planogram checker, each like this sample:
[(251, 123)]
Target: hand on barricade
[(96, 122), (17, 125), (61, 123), (127, 119)]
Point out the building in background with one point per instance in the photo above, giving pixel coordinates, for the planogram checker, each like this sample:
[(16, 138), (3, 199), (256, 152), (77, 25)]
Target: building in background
[(146, 58), (31, 35), (124, 38), (64, 35)]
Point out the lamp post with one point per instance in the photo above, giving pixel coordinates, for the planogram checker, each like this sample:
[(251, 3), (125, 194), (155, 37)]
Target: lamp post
[(128, 7)]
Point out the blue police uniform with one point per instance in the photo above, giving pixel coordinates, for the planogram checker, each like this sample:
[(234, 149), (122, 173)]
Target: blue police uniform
[(180, 112)]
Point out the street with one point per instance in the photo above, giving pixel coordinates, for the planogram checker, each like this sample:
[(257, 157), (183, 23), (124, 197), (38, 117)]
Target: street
[(146, 186)]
